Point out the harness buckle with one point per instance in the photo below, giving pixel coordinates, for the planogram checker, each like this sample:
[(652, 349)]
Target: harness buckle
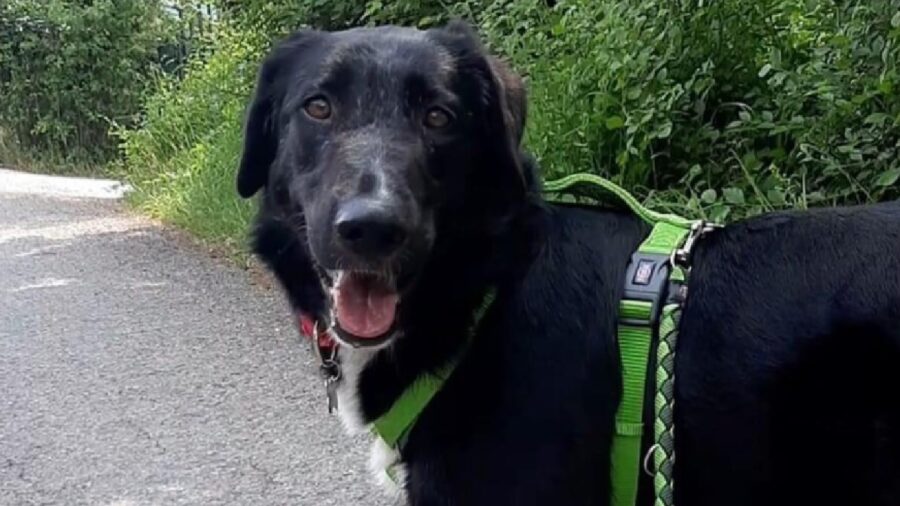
[(682, 257), (646, 280)]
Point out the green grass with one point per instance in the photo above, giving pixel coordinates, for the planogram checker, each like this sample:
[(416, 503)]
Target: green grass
[(183, 159), (196, 191)]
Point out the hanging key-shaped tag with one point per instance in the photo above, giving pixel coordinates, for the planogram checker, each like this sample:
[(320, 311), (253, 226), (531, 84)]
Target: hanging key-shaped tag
[(331, 370), (331, 385)]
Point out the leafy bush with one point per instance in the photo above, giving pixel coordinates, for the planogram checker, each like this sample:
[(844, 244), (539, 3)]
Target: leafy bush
[(730, 108), (278, 17), (69, 69), (718, 109)]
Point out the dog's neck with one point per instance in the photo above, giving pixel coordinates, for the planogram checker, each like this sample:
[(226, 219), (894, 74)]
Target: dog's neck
[(437, 314)]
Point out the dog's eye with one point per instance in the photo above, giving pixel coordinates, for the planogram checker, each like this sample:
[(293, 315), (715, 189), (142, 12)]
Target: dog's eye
[(437, 118), (317, 108)]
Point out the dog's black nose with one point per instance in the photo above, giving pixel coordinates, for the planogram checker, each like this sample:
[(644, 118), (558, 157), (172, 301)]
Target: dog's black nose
[(368, 229)]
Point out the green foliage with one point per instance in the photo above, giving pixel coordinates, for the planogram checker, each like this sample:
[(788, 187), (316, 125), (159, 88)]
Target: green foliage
[(183, 155), (68, 69), (718, 109), (728, 108), (279, 17)]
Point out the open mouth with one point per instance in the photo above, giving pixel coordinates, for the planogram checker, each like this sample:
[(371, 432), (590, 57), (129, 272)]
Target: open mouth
[(365, 307)]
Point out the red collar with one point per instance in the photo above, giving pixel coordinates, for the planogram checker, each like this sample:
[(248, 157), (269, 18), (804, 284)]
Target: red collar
[(324, 340)]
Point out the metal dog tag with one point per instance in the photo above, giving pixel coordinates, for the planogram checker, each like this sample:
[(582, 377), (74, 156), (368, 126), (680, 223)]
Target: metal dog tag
[(331, 385)]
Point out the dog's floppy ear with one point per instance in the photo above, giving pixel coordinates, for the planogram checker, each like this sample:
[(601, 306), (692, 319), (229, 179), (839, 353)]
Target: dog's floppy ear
[(508, 108), (512, 92), (511, 97), (261, 127), (505, 101)]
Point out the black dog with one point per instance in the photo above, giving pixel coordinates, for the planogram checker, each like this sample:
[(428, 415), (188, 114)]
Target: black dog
[(396, 194)]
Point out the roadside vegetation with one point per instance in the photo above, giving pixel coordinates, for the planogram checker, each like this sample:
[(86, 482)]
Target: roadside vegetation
[(717, 109), (68, 71)]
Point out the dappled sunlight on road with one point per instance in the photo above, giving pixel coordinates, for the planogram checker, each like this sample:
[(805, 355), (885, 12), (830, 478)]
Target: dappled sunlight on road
[(12, 182), (72, 229)]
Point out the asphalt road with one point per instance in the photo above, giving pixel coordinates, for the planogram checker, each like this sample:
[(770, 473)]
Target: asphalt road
[(137, 370)]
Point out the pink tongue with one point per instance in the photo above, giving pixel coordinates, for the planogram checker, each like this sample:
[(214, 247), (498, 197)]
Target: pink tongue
[(365, 307)]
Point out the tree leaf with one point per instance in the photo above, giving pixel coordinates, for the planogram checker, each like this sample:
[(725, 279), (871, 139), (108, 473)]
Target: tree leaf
[(815, 197), (614, 122), (775, 196), (776, 57), (751, 161), (733, 196), (558, 29), (888, 177), (709, 196), (719, 213), (665, 130), (845, 148), (764, 71), (876, 118)]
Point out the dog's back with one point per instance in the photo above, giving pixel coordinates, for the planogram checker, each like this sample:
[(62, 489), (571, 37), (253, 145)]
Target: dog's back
[(786, 386)]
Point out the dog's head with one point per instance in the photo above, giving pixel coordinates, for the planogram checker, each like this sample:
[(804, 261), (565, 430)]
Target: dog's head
[(371, 144)]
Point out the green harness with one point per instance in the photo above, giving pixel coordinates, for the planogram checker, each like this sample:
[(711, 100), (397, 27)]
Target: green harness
[(655, 289)]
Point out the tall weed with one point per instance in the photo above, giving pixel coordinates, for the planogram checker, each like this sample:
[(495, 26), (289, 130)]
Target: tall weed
[(182, 158)]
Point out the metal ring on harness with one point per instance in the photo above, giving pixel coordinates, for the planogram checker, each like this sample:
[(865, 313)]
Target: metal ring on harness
[(649, 455)]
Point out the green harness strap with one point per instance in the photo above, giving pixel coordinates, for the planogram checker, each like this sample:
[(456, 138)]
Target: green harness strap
[(394, 425), (640, 316), (600, 191), (664, 405), (638, 320)]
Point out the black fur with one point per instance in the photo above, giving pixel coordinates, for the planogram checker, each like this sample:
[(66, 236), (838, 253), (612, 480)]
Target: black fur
[(787, 390)]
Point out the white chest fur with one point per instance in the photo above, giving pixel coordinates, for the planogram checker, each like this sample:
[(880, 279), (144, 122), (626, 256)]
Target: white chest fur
[(384, 461)]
